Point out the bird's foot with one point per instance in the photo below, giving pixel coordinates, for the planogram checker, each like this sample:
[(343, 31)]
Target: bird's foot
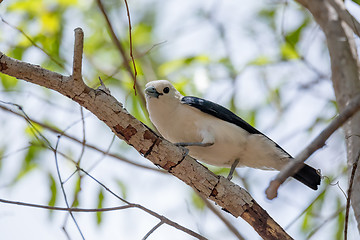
[(232, 169)]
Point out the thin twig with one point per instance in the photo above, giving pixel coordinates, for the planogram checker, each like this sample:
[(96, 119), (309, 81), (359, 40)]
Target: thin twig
[(84, 136), (153, 230), (160, 217), (88, 210), (37, 132), (131, 45), (349, 192), (34, 43), (106, 153), (121, 49), (63, 190), (295, 165)]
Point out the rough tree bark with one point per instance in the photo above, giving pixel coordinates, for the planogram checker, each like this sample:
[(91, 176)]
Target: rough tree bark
[(345, 77), (101, 103)]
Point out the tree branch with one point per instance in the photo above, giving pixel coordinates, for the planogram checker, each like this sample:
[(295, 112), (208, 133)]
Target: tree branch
[(226, 194), (78, 52), (343, 13), (88, 210), (294, 166)]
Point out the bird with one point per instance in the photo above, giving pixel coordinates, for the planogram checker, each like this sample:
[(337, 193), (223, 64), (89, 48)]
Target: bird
[(214, 135)]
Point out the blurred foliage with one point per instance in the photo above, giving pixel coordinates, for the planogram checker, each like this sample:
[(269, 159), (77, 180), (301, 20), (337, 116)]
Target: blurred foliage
[(312, 213), (100, 205), (2, 151), (123, 188), (30, 161), (197, 201), (53, 191), (77, 190), (48, 23)]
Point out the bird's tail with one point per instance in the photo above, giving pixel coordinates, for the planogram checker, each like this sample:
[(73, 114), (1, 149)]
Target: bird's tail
[(308, 176)]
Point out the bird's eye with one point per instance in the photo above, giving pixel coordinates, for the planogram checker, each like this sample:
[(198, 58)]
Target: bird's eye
[(166, 90)]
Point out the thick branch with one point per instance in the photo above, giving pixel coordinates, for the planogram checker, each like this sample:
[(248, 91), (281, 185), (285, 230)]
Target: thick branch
[(226, 194), (318, 142)]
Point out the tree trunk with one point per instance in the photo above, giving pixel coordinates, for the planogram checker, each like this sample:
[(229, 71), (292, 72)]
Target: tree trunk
[(345, 77)]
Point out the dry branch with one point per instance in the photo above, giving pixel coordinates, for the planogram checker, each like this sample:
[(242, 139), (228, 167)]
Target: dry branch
[(317, 143), (78, 52), (226, 194)]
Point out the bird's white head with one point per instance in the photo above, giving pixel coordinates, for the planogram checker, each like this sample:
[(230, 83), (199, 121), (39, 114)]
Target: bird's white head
[(162, 100), (161, 90)]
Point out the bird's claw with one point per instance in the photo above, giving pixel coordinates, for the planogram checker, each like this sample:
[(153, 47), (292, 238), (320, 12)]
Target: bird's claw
[(183, 148)]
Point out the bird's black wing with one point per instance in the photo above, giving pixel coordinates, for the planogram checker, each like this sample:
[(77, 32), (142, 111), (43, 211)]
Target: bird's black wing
[(219, 111), (222, 113)]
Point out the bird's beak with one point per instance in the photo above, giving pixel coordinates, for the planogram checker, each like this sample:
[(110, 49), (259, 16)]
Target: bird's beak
[(151, 92)]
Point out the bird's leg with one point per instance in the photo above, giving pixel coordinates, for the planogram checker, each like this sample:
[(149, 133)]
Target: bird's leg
[(198, 144), (232, 169)]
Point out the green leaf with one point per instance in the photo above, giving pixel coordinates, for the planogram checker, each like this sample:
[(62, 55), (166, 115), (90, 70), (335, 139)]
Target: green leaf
[(356, 1), (53, 190), (76, 192), (122, 188), (261, 61), (175, 65), (268, 14), (251, 117), (219, 170), (313, 210), (100, 205), (294, 36), (141, 34), (33, 129), (2, 151), (7, 82), (29, 162), (340, 224), (18, 51), (288, 52), (197, 201)]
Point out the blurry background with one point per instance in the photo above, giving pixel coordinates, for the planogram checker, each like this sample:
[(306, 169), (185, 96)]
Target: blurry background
[(265, 60)]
